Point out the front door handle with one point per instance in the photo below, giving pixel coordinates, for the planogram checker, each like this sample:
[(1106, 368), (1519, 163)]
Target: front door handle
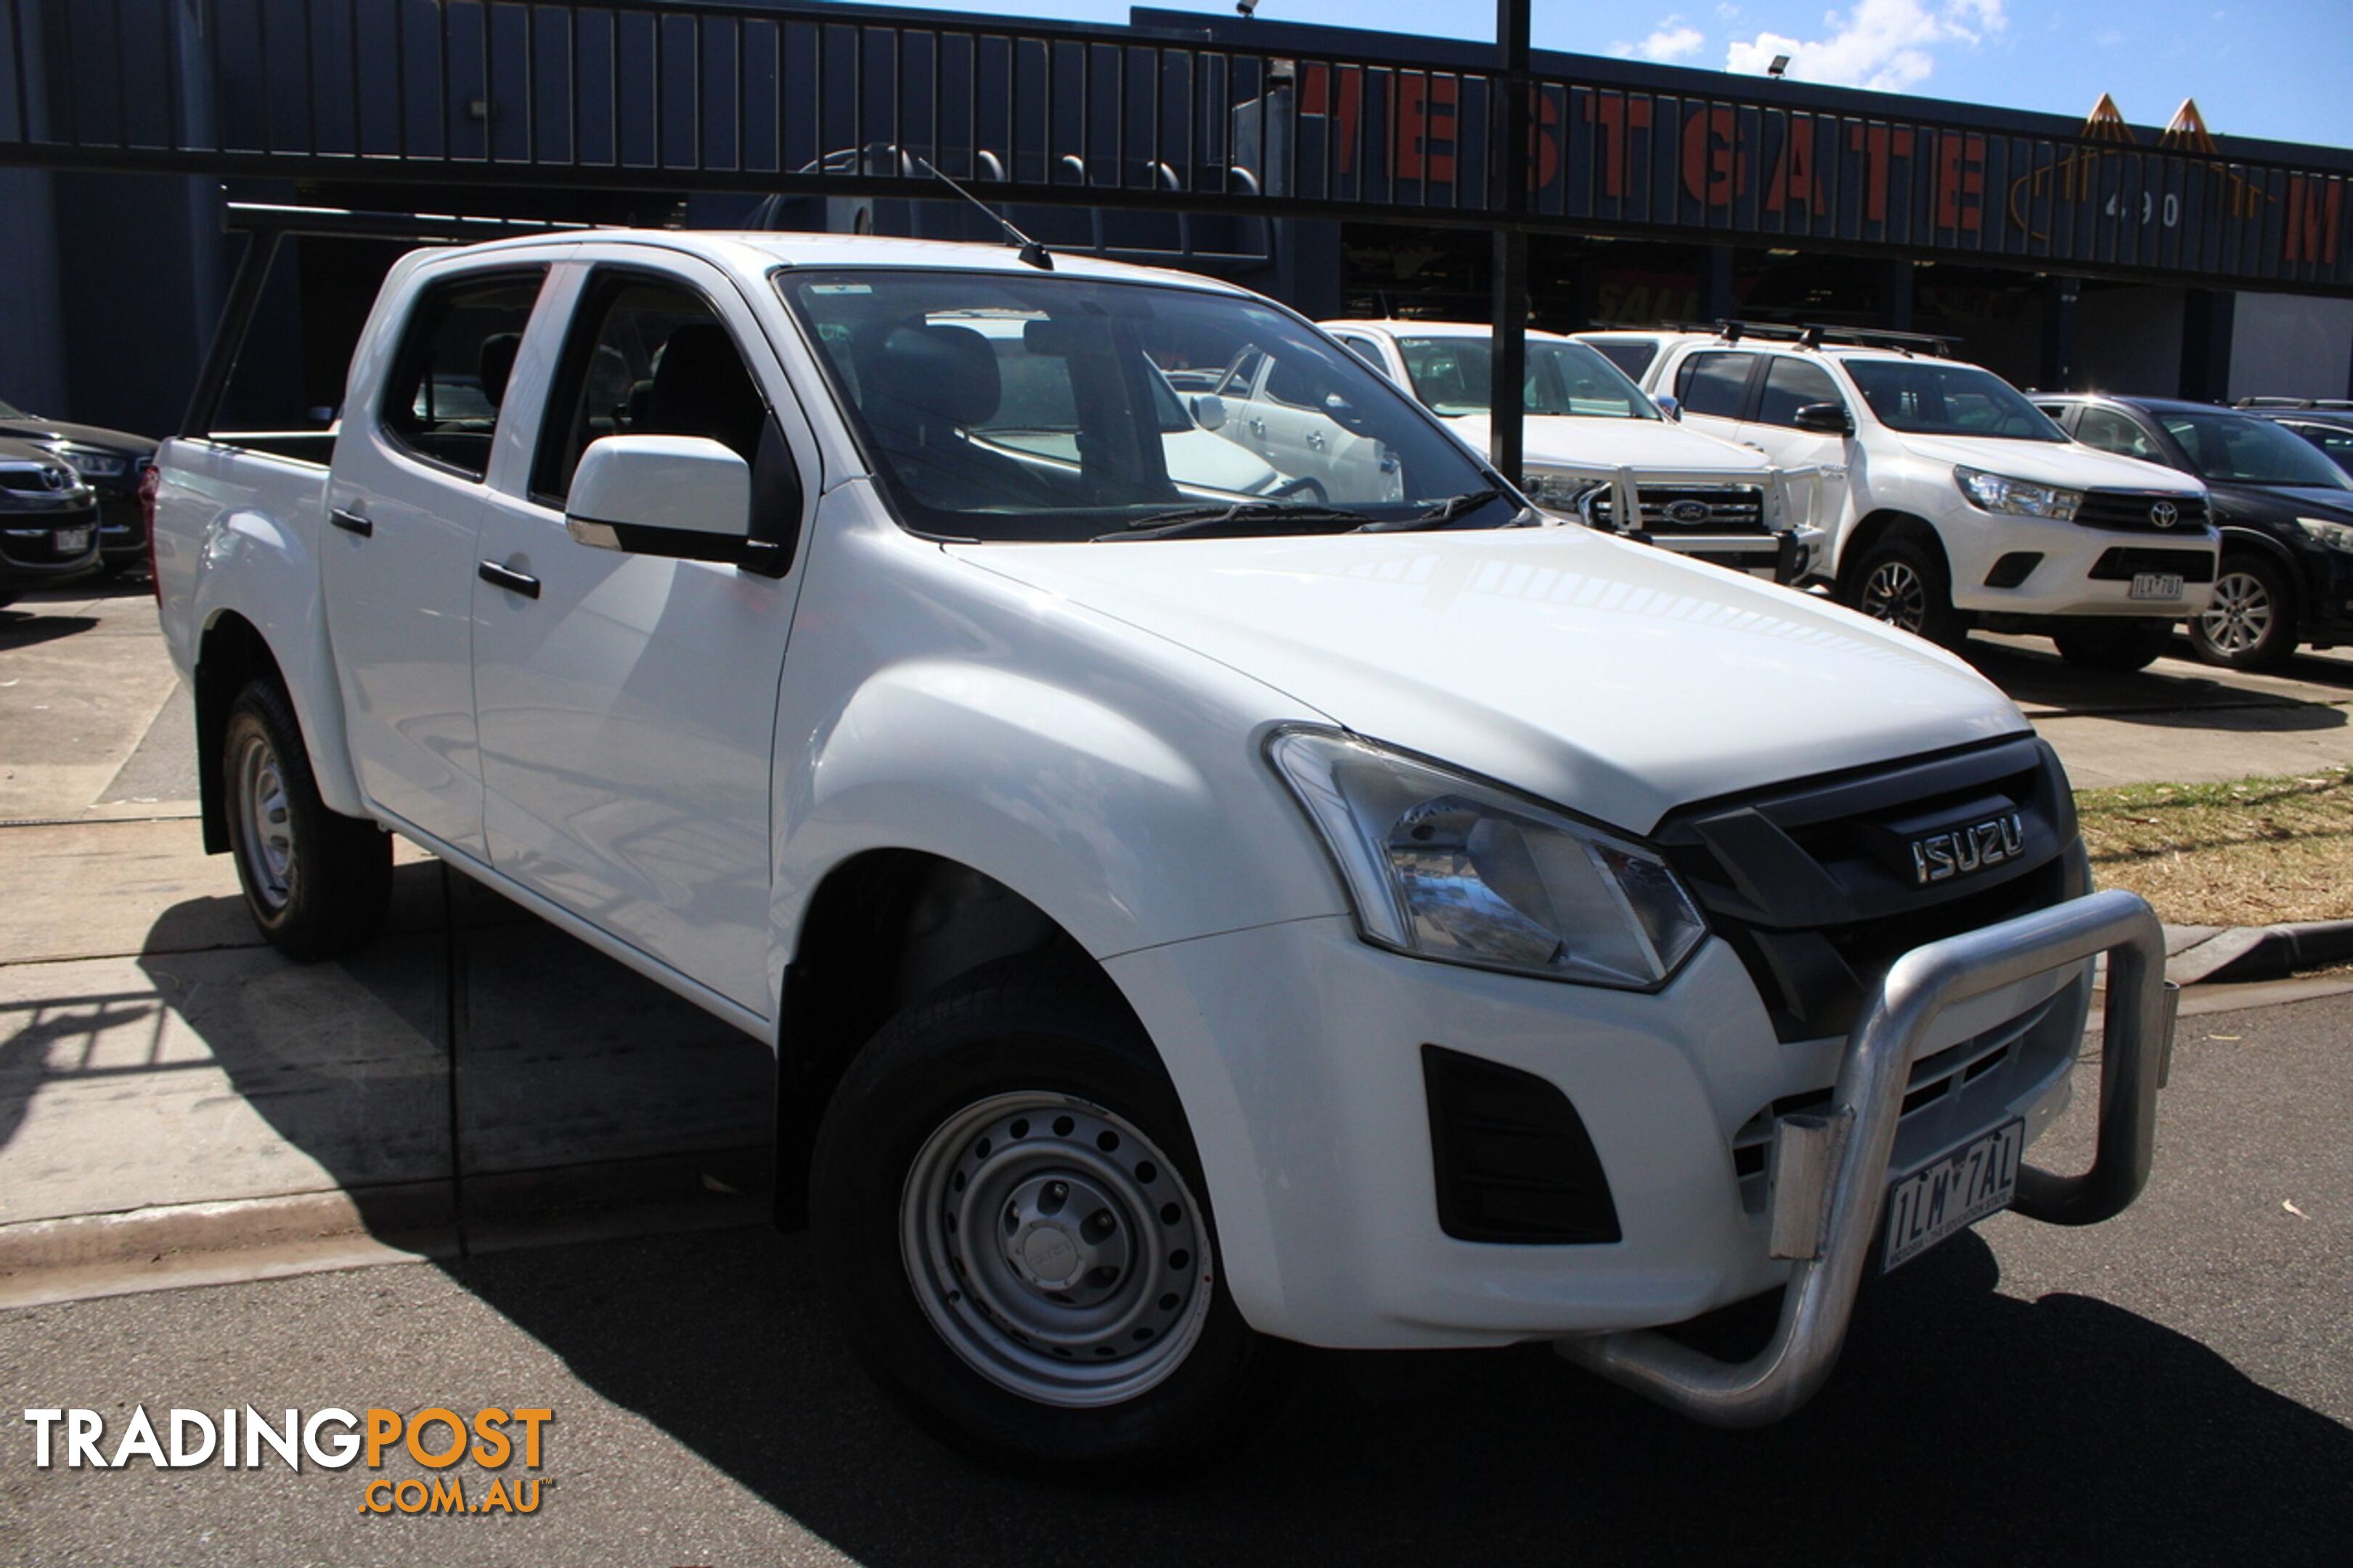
[(507, 577), (351, 522)]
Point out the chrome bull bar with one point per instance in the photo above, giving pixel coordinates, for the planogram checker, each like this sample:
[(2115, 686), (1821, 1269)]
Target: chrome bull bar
[(1830, 1169)]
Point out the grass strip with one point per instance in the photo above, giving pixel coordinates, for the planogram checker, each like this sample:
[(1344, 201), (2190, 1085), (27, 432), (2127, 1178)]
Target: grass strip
[(2253, 852)]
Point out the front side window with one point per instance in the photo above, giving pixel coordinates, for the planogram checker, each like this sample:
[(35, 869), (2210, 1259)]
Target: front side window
[(1793, 384), (1713, 383), (2113, 432), (450, 377), (1008, 407), (1454, 375), (648, 357), (1938, 397), (2239, 449)]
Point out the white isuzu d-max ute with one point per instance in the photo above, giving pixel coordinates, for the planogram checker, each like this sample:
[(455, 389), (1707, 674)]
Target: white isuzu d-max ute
[(1188, 928)]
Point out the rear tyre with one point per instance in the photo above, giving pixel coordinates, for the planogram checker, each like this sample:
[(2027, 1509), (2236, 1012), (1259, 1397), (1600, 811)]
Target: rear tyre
[(1904, 582), (316, 882), (2116, 645), (1010, 1217), (2251, 622)]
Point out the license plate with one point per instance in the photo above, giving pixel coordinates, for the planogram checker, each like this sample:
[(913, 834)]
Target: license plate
[(1953, 1194), (73, 540), (2156, 585)]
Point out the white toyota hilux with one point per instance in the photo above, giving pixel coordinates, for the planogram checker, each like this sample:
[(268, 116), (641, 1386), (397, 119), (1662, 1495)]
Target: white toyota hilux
[(1188, 928)]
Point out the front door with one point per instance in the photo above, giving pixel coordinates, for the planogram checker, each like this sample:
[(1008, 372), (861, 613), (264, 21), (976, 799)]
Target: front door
[(628, 703)]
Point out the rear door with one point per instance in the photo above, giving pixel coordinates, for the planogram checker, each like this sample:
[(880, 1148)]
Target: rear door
[(406, 496), (628, 703)]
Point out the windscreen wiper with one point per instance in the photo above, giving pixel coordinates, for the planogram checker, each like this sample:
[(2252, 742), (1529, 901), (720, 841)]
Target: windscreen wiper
[(1453, 508), (1209, 519)]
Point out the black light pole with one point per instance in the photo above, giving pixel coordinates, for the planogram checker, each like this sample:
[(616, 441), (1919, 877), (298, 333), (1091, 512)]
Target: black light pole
[(1509, 304)]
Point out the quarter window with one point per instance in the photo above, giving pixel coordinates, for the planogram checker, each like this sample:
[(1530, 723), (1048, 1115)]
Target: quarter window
[(451, 377), (1713, 383)]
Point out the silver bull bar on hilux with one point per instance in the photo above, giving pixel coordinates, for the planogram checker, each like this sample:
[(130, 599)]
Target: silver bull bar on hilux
[(1829, 1168)]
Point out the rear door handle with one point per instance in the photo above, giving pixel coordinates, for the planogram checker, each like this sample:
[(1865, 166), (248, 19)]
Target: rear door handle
[(506, 577), (351, 522)]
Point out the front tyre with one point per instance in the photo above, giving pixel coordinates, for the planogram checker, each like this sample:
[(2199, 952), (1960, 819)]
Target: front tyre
[(2251, 622), (1904, 582), (1009, 1215), (315, 881), (2118, 646)]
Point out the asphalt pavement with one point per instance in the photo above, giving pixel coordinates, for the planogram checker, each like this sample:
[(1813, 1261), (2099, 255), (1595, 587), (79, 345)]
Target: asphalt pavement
[(2171, 1388)]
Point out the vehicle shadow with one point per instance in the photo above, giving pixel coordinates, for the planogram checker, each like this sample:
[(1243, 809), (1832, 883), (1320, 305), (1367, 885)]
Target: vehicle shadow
[(1963, 1426), (2300, 697), (20, 629)]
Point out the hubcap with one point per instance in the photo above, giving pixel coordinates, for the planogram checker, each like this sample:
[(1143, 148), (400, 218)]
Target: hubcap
[(269, 837), (1055, 1249), (2239, 617), (1894, 594)]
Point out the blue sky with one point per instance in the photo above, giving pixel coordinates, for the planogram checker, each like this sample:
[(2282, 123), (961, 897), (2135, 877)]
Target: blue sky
[(2280, 69)]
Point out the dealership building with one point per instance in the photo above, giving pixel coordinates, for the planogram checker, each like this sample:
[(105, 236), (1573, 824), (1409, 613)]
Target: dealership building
[(1345, 172)]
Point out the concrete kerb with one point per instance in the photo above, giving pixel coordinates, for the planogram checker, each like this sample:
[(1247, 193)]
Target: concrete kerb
[(2201, 955)]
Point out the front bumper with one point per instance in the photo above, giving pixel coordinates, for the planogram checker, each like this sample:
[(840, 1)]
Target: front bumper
[(1830, 1170), (2074, 567), (1298, 1052)]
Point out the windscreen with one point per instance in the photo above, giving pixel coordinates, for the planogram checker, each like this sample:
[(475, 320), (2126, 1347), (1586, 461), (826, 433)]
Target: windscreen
[(1005, 407), (2238, 448), (1936, 397), (1454, 376)]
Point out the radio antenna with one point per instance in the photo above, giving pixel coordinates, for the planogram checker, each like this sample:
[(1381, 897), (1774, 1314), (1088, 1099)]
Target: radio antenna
[(1035, 254)]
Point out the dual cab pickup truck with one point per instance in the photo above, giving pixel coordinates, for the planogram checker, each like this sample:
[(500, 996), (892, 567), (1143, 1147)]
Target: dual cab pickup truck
[(1189, 929)]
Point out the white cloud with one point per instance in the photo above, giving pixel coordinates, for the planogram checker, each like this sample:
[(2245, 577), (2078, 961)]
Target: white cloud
[(2110, 38), (1726, 11), (1888, 45), (1672, 39)]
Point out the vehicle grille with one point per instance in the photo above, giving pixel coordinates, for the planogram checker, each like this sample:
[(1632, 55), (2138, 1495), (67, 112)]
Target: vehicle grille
[(2129, 511), (41, 480), (1815, 884), (2125, 561), (1704, 508)]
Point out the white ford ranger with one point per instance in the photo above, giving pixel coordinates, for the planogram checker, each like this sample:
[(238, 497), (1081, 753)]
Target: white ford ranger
[(1951, 499), (1597, 449), (1188, 928)]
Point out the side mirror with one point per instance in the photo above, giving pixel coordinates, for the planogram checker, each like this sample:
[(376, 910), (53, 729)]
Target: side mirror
[(1825, 418), (685, 497), (1209, 411), (1669, 405), (1343, 413)]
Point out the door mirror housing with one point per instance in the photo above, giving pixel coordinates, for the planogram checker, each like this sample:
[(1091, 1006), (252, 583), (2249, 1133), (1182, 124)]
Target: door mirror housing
[(1209, 411), (1669, 404), (685, 497), (1825, 418)]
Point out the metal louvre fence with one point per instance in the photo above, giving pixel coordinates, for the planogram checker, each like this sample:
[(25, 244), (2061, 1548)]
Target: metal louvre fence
[(804, 99)]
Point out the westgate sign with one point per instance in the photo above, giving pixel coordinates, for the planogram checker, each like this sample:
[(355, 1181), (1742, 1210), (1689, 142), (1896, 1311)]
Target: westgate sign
[(1173, 114)]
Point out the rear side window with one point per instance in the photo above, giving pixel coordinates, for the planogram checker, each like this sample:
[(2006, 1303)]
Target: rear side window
[(451, 373), (1790, 384), (1713, 383), (1632, 355)]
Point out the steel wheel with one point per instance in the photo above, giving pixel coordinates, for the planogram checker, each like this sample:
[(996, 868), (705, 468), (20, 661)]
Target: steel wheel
[(265, 812), (2241, 616), (1894, 593), (1055, 1249)]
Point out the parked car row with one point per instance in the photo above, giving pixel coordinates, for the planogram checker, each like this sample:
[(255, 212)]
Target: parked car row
[(70, 500)]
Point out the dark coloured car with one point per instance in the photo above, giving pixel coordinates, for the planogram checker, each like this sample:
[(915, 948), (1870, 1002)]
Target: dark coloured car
[(48, 521), (2285, 512), (111, 462), (2327, 423)]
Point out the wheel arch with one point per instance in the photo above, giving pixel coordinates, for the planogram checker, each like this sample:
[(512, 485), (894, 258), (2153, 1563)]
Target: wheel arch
[(1880, 524), (2255, 542)]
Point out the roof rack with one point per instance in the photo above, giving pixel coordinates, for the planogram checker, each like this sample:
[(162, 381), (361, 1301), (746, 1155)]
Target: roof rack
[(2338, 404), (1805, 334)]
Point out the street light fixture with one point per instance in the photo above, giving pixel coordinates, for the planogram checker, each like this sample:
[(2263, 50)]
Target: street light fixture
[(1781, 62)]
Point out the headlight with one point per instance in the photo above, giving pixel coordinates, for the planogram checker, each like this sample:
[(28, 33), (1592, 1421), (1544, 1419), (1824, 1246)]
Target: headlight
[(1559, 492), (90, 464), (2328, 535), (2018, 498), (1444, 867)]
